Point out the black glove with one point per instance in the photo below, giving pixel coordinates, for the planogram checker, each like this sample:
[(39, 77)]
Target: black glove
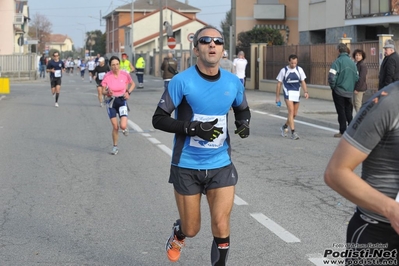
[(204, 130), (242, 128)]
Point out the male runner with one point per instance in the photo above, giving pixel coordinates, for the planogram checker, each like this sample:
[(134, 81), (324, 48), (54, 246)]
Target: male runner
[(55, 67), (91, 65), (201, 98)]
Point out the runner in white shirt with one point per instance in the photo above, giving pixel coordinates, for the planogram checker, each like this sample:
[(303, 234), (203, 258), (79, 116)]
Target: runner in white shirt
[(240, 64), (91, 65)]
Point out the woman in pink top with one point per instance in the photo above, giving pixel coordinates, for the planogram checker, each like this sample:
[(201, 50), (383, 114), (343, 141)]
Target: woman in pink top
[(117, 86)]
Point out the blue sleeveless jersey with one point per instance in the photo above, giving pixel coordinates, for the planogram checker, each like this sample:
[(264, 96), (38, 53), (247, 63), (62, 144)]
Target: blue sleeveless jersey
[(194, 98)]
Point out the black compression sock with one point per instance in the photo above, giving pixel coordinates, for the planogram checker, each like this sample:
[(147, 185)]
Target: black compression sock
[(285, 126), (179, 234), (220, 251), (56, 97)]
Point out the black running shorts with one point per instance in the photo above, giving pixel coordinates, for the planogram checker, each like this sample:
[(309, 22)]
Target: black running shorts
[(55, 82), (191, 182)]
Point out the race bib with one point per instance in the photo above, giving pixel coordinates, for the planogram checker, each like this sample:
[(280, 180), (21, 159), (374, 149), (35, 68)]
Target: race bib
[(57, 73), (123, 110), (101, 75), (293, 96), (198, 142)]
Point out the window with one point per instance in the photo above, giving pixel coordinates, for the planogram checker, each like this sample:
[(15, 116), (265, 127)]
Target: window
[(370, 7)]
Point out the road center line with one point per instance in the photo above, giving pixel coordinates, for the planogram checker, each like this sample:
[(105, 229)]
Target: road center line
[(296, 121), (275, 228)]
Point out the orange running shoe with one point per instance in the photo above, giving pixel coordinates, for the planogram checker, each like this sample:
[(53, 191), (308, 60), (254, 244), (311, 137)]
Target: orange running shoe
[(173, 245)]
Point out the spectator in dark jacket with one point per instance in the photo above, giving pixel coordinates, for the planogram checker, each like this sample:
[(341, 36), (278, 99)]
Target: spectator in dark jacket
[(169, 68), (342, 78), (361, 85), (389, 70)]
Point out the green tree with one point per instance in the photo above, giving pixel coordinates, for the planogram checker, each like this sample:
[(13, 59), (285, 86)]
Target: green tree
[(95, 40), (225, 26), (260, 35)]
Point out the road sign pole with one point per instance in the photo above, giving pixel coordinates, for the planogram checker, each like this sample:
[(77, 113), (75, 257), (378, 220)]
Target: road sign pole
[(191, 54)]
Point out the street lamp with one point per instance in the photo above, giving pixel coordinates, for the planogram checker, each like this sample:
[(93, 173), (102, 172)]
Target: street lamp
[(84, 39)]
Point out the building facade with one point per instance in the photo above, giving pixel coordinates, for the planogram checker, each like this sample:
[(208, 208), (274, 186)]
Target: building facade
[(325, 21), (276, 14), (59, 42), (146, 25), (14, 27)]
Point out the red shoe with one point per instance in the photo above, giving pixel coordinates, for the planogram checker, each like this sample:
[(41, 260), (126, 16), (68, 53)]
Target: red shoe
[(173, 245)]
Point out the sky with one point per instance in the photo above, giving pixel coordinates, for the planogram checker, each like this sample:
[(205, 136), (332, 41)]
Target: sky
[(74, 17)]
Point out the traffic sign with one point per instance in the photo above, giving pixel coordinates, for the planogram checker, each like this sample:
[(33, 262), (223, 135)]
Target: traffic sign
[(190, 37), (20, 41), (171, 42)]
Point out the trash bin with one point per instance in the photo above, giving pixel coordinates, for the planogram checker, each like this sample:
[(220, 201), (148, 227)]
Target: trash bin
[(4, 85)]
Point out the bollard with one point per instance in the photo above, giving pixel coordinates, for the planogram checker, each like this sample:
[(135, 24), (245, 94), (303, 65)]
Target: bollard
[(4, 86)]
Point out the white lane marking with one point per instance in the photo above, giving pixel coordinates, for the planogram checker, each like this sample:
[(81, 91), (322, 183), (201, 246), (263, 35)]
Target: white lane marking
[(275, 228), (134, 126), (154, 140), (165, 149), (239, 201), (2, 97), (296, 121)]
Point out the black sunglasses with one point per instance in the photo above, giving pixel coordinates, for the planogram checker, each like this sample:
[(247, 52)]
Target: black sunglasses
[(208, 40)]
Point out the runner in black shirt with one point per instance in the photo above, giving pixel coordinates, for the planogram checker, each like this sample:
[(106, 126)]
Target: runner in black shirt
[(55, 67), (99, 73)]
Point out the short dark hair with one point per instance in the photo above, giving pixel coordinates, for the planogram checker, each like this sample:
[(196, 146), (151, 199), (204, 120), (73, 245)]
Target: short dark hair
[(342, 48), (359, 51), (114, 57), (292, 56), (195, 39)]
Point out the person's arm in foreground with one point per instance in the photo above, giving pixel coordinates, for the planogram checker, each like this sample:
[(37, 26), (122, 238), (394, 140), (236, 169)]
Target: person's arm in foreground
[(340, 176)]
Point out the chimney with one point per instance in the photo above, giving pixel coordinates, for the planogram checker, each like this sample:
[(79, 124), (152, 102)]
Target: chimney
[(186, 2)]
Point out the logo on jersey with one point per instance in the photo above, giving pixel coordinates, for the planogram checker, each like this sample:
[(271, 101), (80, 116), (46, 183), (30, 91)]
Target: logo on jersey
[(364, 111)]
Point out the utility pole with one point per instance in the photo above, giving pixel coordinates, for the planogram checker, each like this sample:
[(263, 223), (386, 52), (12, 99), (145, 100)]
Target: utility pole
[(233, 30), (160, 33), (132, 31)]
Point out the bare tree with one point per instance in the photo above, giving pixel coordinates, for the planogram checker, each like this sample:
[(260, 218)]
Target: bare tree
[(40, 28)]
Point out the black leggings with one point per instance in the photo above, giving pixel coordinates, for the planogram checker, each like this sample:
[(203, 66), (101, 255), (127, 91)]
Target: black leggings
[(363, 232)]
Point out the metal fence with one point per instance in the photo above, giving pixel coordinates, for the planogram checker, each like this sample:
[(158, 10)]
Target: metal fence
[(316, 61), (19, 66)]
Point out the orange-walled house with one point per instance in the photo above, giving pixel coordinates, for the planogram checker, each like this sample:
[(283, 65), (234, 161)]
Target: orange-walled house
[(277, 14), (146, 24)]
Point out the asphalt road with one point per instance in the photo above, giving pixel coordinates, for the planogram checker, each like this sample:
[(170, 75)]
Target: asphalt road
[(66, 201)]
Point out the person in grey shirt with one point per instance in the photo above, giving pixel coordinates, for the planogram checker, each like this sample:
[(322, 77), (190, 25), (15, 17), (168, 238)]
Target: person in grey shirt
[(372, 139), (225, 63)]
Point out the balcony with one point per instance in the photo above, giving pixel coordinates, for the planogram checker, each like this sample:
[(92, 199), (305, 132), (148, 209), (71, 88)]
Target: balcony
[(269, 11), (355, 9)]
